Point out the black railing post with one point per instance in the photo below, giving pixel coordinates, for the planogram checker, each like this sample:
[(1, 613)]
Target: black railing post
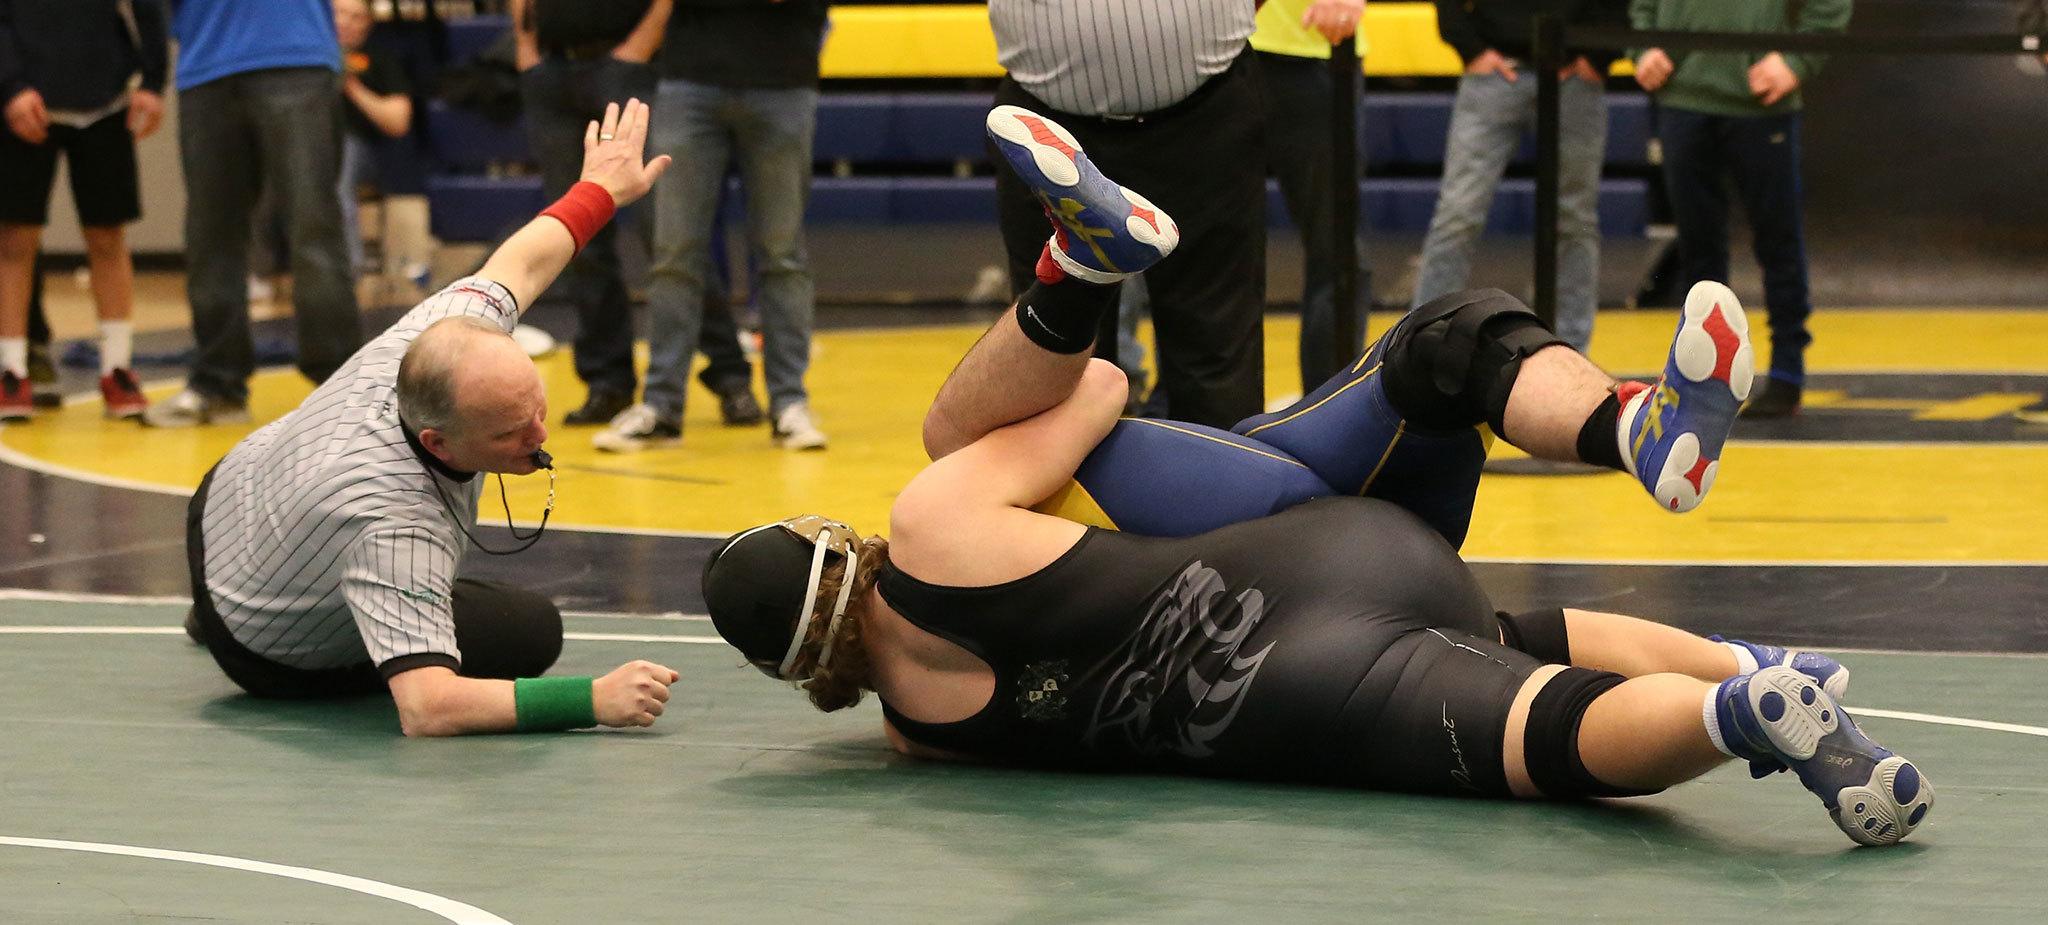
[(1344, 68), (1548, 49)]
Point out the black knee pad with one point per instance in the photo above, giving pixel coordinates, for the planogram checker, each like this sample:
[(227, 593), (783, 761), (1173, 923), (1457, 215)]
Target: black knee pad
[(1550, 743), (1540, 633), (1452, 362)]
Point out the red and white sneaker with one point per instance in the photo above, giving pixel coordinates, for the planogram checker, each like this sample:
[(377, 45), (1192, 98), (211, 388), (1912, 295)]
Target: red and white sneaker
[(1671, 433), (122, 395), (17, 397)]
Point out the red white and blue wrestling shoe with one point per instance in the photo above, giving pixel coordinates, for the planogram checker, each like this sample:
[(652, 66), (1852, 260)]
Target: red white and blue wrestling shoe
[(1875, 796), (1102, 232), (1671, 432)]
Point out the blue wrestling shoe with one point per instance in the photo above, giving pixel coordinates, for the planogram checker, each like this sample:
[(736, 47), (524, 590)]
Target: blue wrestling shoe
[(1874, 796), (1829, 673), (1672, 432), (1101, 232)]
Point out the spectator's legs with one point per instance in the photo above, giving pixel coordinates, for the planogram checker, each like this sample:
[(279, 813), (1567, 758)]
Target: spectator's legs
[(357, 164), (772, 134), (1486, 128), (1764, 155), (1692, 177), (1299, 155), (1582, 112), (297, 116), (18, 245), (1133, 304), (561, 98), (687, 127), (217, 140)]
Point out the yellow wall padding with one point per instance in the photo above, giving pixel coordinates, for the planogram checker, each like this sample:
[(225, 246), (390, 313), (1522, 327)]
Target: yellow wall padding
[(955, 41)]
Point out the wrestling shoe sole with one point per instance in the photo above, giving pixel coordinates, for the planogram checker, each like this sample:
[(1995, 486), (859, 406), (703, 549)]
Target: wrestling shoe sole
[(1888, 807), (1050, 160)]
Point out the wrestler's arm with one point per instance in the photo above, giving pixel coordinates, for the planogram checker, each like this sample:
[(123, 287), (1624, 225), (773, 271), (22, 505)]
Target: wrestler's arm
[(966, 519), (528, 262)]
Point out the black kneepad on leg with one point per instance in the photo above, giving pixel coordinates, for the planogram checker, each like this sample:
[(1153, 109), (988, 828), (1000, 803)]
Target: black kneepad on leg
[(1453, 361), (1540, 633), (1550, 743)]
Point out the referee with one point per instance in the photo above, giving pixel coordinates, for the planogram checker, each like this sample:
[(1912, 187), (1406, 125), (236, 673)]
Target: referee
[(324, 546), (1164, 95)]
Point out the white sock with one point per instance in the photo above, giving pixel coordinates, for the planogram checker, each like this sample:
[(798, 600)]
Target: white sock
[(14, 355), (1713, 720), (1745, 660), (117, 345), (1080, 272), (1621, 424)]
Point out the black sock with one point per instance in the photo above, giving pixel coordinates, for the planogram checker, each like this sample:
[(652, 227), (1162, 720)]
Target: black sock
[(1598, 443), (1063, 317)]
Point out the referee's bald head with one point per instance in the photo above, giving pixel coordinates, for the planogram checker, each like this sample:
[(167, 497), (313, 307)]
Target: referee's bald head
[(472, 395)]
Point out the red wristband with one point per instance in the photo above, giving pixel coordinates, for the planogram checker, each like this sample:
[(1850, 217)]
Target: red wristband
[(583, 210)]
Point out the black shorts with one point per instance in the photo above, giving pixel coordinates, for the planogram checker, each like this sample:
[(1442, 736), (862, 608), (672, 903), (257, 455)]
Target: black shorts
[(101, 158)]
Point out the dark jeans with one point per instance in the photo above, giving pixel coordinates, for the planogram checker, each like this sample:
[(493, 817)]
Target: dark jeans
[(1202, 161), (561, 97), (283, 124), (1762, 154), (1300, 154), (503, 632)]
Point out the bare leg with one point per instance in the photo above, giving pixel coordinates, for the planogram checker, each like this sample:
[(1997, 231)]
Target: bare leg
[(18, 245), (1633, 648), (113, 273), (1646, 734), (1003, 379), (1556, 390)]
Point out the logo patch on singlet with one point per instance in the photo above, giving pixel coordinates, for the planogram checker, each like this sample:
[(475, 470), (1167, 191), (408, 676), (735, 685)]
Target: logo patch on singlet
[(1041, 692), (1181, 679)]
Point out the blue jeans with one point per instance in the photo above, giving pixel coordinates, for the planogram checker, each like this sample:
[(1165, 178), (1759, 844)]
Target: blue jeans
[(287, 122), (358, 164), (1762, 153), (1487, 124), (767, 134), (561, 97)]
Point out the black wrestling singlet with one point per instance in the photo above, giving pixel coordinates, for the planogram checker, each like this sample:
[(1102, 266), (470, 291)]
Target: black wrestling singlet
[(1243, 651)]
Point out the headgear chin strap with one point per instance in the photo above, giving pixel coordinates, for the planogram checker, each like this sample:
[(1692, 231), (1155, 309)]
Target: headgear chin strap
[(742, 589)]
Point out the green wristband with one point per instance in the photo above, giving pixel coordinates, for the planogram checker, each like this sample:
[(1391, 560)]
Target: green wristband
[(548, 704)]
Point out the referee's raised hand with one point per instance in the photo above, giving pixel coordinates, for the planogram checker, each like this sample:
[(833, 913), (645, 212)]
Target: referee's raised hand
[(613, 152), (633, 694)]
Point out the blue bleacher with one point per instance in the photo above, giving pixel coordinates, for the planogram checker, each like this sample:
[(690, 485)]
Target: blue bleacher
[(868, 133)]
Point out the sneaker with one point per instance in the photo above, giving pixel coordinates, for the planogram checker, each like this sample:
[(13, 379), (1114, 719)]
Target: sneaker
[(601, 406), (638, 428), (536, 342), (1672, 431), (17, 397), (189, 408), (122, 395), (1779, 399), (1874, 796), (738, 407), (1829, 673), (795, 430), (1101, 231)]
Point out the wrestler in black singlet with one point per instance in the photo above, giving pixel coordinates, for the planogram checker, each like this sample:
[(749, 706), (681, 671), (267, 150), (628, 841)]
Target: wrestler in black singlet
[(1341, 642)]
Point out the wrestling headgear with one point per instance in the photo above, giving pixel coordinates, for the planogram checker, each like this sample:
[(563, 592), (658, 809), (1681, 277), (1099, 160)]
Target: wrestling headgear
[(759, 599)]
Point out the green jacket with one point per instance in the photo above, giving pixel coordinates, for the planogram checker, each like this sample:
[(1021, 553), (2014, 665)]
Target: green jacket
[(1717, 82)]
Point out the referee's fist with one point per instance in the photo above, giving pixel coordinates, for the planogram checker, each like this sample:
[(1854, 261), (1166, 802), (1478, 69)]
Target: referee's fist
[(633, 694)]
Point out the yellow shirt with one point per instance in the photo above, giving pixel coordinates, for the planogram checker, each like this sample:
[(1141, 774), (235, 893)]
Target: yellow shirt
[(1280, 31)]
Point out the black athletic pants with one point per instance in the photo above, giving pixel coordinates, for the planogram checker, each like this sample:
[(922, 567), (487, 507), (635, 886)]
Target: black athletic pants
[(1203, 161), (504, 632)]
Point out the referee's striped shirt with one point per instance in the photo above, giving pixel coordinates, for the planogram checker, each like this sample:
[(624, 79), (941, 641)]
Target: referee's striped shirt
[(1118, 57), (326, 543)]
